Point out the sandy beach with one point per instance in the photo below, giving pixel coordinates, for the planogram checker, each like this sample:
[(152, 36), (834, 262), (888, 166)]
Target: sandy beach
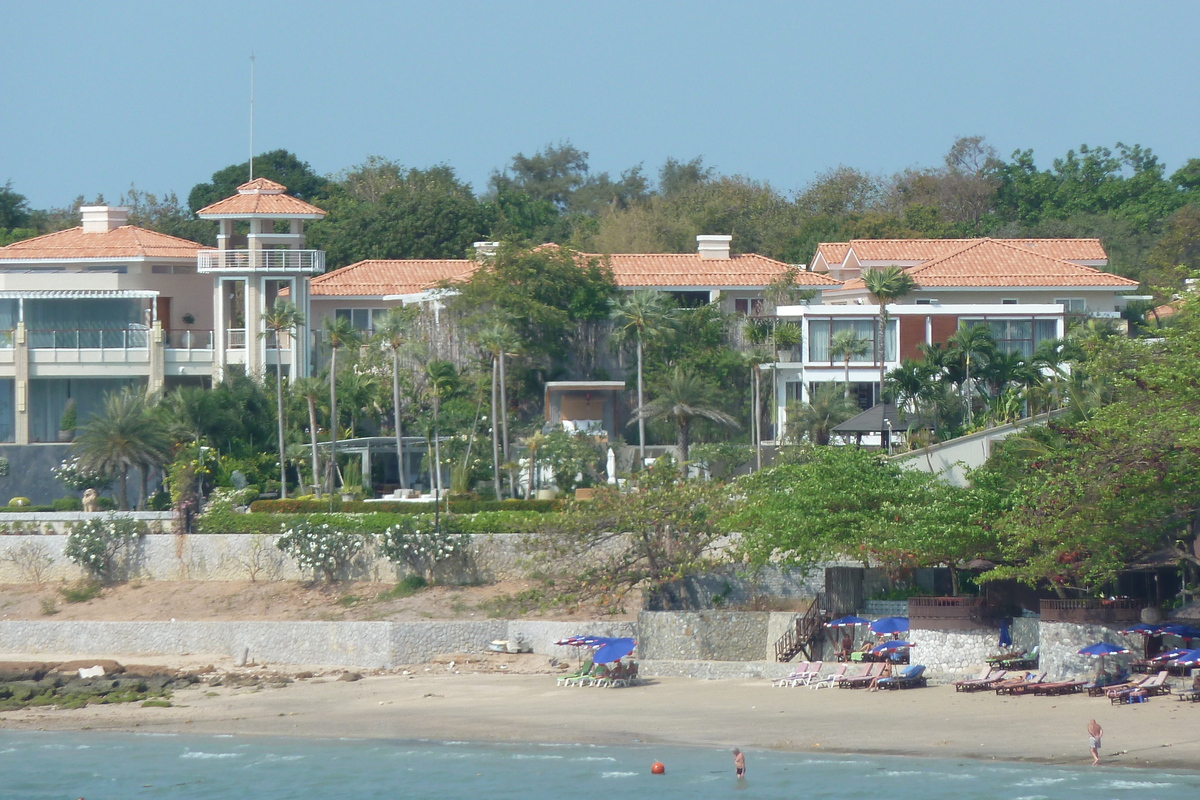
[(438, 704)]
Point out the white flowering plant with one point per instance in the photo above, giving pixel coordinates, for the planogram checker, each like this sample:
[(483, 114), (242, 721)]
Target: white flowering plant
[(74, 476), (100, 544), (325, 549), (420, 546)]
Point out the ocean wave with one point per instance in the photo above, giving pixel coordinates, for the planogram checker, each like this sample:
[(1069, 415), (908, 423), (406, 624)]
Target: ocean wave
[(523, 757), (594, 758), (618, 774), (1039, 782), (198, 754), (1136, 785)]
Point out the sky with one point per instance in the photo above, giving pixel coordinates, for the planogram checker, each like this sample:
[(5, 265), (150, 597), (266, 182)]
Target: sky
[(99, 96)]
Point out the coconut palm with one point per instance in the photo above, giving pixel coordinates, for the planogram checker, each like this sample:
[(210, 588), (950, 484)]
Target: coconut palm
[(826, 407), (283, 318), (642, 314), (886, 284), (394, 332), (441, 379), (846, 345), (971, 343), (359, 393), (534, 442), (311, 389), (683, 398), (126, 435), (339, 333), (498, 340)]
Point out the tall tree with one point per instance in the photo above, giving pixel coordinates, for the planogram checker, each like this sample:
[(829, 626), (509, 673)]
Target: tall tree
[(826, 407), (283, 318), (684, 397), (311, 389), (844, 346), (971, 343), (277, 165), (339, 332), (498, 340), (886, 285), (394, 332), (642, 314)]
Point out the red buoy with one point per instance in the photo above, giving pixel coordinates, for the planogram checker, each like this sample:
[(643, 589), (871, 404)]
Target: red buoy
[(657, 768)]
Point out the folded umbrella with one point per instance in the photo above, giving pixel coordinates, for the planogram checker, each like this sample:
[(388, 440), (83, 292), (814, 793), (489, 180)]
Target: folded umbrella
[(1005, 636)]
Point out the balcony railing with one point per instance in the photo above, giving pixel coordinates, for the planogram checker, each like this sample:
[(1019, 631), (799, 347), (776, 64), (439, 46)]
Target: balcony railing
[(949, 613), (102, 339), (235, 339), (188, 339), (1092, 610), (244, 261)]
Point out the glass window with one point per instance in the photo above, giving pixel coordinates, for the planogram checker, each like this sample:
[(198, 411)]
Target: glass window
[(1072, 305), (821, 332), (818, 340)]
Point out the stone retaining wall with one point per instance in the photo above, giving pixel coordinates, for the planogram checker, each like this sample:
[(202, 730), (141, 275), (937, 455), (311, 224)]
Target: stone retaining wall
[(1061, 642), (345, 644), (708, 635), (238, 557)]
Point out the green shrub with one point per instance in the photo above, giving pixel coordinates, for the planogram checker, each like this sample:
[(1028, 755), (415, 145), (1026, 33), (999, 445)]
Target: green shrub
[(81, 591), (18, 502), (321, 547), (298, 506), (23, 509), (67, 504), (99, 544), (410, 585)]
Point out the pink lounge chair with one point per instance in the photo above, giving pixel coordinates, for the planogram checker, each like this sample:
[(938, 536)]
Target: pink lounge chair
[(980, 684), (799, 671), (831, 679), (874, 669)]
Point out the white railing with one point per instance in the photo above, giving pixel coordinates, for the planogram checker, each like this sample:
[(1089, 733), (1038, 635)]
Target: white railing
[(235, 339), (96, 339), (309, 261), (188, 339)]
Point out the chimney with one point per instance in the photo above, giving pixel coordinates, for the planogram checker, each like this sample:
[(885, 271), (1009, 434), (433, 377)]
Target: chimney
[(713, 248), (486, 251), (102, 219)]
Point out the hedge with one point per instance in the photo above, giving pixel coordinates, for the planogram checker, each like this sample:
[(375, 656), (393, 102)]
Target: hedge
[(396, 507), (483, 522)]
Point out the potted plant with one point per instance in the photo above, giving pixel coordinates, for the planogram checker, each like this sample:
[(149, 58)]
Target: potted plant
[(70, 420)]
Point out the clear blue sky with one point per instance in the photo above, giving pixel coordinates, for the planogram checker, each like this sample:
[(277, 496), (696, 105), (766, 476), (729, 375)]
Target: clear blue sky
[(100, 95)]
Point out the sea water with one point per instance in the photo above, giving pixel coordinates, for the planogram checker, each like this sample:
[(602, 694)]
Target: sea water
[(101, 766)]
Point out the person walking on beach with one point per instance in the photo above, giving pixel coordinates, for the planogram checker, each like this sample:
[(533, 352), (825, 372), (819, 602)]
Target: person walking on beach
[(1095, 734), (739, 763)]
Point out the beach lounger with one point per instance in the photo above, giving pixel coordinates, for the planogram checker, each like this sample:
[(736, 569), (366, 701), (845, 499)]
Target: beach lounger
[(864, 680), (982, 675), (1020, 685), (569, 680), (1158, 684), (1056, 688), (908, 677), (813, 674), (1190, 695), (831, 679), (1097, 689), (798, 671), (1027, 661), (987, 683)]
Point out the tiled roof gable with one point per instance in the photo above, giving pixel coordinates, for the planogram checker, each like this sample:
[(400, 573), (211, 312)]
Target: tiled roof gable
[(127, 241)]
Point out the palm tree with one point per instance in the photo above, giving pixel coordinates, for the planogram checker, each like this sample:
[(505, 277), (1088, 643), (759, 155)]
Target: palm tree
[(968, 343), (643, 314), (311, 389), (498, 340), (826, 407), (846, 345), (886, 284), (683, 398), (127, 434), (393, 333), (534, 442), (283, 318), (339, 333), (443, 378), (358, 392)]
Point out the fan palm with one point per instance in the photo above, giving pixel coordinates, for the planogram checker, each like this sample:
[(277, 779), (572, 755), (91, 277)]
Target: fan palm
[(498, 340), (683, 398), (642, 314), (846, 345), (886, 284), (283, 318), (339, 333), (826, 407), (127, 434), (393, 332)]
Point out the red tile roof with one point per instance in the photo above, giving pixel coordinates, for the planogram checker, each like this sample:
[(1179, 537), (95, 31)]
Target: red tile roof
[(631, 270), (260, 197), (999, 262), (927, 249), (127, 241), (380, 277)]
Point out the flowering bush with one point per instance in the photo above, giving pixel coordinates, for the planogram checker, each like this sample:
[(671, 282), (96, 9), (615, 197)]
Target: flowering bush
[(98, 545), (75, 477), (324, 548), (420, 546)]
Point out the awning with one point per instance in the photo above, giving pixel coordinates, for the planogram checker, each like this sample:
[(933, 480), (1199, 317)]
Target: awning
[(79, 294), (876, 419)]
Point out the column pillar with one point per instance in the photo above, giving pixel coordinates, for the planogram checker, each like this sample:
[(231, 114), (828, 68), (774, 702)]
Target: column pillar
[(157, 358), (21, 384)]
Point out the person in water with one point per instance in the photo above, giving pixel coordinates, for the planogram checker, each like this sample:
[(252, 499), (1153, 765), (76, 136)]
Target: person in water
[(739, 763)]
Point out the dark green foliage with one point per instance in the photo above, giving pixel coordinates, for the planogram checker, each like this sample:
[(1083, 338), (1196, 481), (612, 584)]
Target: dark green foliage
[(362, 507), (278, 165)]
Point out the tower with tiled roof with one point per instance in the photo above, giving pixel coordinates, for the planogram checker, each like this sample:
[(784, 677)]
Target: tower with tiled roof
[(260, 253)]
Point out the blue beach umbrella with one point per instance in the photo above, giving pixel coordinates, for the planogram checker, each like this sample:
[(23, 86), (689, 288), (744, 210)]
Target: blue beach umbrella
[(890, 625), (614, 650), (1189, 657), (1005, 636), (1143, 628), (1182, 631), (1102, 649), (1171, 655), (888, 647), (845, 622)]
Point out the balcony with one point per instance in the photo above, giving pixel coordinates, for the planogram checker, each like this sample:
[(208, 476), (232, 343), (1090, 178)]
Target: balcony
[(79, 347), (1092, 610), (281, 262), (950, 613)]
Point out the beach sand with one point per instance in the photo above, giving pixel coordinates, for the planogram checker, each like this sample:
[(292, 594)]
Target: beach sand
[(750, 714)]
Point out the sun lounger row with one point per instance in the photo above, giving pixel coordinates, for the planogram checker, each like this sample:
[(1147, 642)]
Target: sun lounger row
[(602, 675), (803, 674)]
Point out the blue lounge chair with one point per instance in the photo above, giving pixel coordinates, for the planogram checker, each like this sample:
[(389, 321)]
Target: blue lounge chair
[(905, 678)]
